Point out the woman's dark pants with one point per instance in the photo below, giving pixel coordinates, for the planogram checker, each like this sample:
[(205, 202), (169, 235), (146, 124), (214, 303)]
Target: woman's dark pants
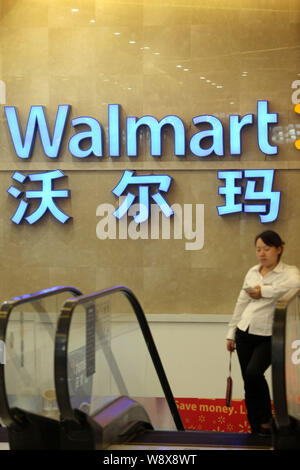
[(254, 353)]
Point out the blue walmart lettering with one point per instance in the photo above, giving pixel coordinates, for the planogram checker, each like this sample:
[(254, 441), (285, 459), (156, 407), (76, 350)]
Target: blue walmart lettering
[(37, 123), (88, 141), (36, 120)]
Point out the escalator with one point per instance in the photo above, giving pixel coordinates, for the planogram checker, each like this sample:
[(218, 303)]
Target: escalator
[(28, 328), (122, 333), (286, 372), (105, 386)]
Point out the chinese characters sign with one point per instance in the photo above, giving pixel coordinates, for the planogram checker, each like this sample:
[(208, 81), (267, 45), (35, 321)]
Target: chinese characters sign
[(46, 197), (142, 182), (248, 191), (268, 210)]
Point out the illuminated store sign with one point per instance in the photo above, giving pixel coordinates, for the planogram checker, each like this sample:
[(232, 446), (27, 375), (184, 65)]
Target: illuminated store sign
[(142, 182), (232, 188), (46, 196), (258, 196), (37, 122)]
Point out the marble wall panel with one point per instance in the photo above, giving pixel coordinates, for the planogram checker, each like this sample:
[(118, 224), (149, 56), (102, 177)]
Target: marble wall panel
[(156, 58)]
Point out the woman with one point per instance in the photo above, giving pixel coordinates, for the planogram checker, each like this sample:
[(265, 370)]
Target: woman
[(250, 328)]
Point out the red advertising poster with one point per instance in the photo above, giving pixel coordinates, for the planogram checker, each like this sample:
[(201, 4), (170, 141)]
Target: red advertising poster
[(213, 415)]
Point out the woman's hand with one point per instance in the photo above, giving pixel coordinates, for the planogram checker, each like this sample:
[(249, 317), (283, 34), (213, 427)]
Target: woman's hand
[(230, 345), (255, 293)]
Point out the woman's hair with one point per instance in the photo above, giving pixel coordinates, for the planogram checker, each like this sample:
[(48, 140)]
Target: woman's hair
[(271, 238)]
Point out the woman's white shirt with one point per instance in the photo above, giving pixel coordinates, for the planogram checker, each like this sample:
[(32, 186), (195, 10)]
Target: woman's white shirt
[(257, 314)]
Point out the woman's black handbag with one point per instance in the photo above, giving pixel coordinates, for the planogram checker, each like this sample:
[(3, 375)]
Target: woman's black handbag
[(229, 385)]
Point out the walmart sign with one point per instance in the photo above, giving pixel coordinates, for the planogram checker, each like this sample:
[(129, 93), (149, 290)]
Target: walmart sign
[(263, 201)]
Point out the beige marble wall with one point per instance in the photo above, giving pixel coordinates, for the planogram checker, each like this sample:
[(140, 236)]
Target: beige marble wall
[(161, 57)]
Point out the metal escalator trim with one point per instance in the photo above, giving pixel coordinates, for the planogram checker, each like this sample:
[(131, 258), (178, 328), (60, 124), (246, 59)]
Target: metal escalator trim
[(5, 312), (198, 438), (61, 350)]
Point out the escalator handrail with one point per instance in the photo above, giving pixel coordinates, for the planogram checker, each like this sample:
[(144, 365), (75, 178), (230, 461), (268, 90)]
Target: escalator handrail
[(5, 312), (278, 358), (61, 351)]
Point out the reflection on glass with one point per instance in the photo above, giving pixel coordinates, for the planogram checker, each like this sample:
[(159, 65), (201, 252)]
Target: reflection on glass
[(29, 368), (108, 358)]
